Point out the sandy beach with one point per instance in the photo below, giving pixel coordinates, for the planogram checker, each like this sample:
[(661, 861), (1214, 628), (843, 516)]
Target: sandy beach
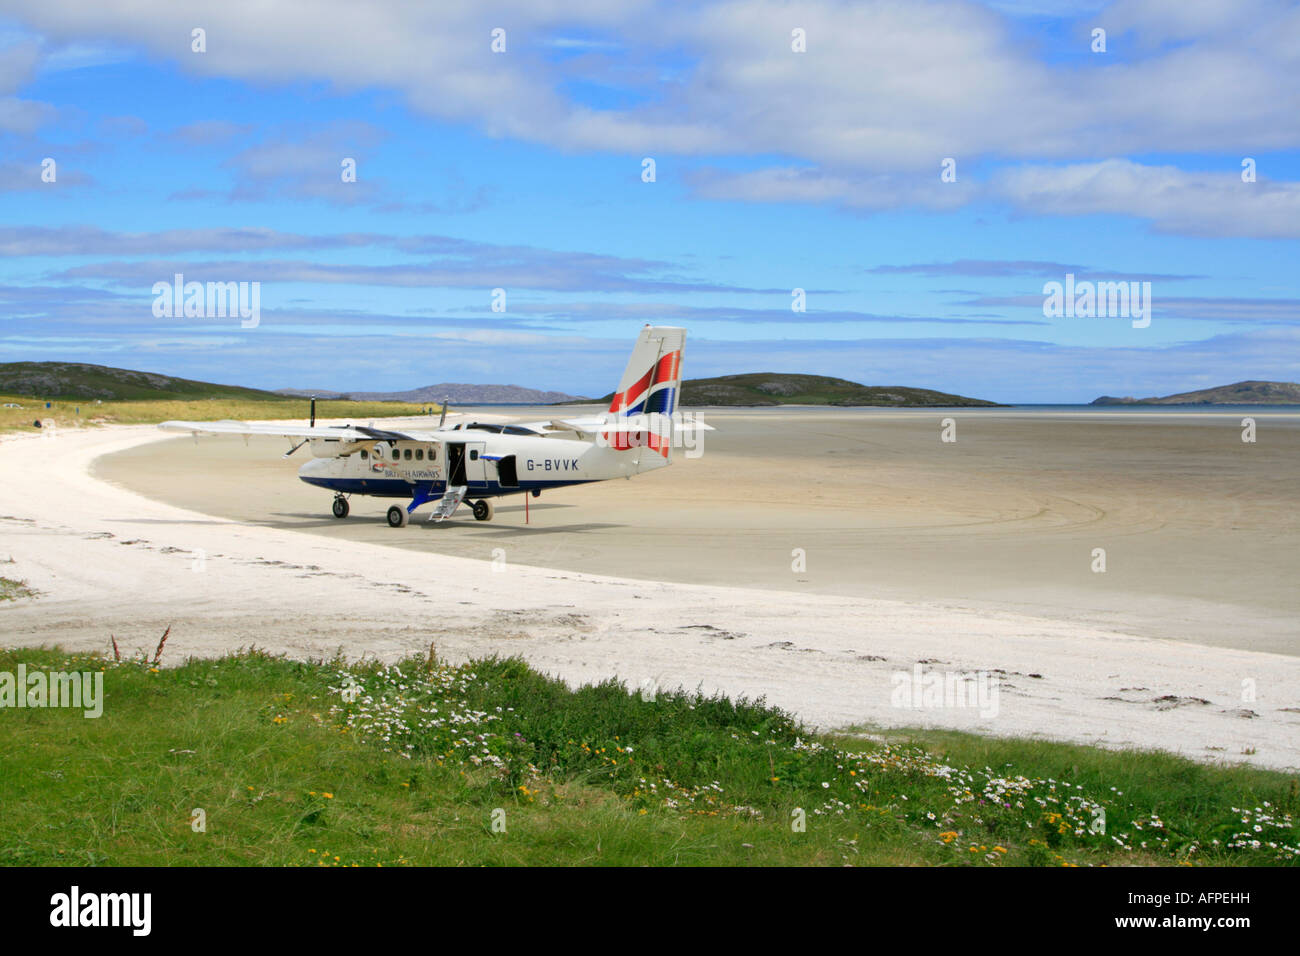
[(965, 556)]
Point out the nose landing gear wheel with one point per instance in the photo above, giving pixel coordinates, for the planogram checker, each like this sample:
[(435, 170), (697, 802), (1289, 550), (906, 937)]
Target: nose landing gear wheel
[(483, 510), (340, 507), (397, 517)]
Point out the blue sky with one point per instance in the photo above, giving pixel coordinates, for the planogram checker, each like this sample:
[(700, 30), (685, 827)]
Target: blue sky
[(774, 170)]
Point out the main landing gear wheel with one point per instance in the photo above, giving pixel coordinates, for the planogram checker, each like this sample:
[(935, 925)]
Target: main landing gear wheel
[(340, 507), (397, 517), (483, 510)]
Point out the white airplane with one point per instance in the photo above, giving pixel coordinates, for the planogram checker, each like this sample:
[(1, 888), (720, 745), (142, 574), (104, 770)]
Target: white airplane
[(478, 462)]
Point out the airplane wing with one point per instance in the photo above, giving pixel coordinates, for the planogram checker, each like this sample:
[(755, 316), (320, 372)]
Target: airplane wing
[(358, 433), (363, 433)]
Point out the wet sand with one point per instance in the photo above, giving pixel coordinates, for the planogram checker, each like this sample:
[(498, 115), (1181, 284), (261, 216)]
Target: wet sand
[(1199, 528)]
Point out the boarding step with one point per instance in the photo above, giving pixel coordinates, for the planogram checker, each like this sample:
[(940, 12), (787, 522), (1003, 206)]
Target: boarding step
[(448, 503)]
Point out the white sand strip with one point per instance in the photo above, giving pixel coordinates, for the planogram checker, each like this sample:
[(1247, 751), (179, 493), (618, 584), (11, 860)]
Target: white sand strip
[(109, 561)]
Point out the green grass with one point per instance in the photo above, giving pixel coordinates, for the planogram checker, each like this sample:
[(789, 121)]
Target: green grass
[(81, 394), (301, 763), (72, 414)]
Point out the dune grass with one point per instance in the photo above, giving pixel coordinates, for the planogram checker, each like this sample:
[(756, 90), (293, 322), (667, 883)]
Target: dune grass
[(337, 764), (11, 590), (75, 414)]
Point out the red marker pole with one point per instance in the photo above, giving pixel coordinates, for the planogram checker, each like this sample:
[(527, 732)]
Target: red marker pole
[(526, 494)]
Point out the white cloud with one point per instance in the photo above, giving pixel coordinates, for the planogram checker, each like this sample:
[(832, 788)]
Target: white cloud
[(885, 91), (23, 116), (18, 63), (208, 132), (1202, 204), (883, 86), (1207, 204), (866, 192)]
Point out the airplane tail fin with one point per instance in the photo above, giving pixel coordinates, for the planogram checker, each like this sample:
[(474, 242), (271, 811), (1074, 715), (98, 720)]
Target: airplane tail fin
[(653, 377), (650, 386)]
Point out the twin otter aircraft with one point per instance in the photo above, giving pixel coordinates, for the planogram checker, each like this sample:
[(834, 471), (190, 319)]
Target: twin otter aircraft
[(478, 462)]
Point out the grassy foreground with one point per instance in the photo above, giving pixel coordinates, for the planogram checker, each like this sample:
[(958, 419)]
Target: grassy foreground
[(73, 414), (255, 759)]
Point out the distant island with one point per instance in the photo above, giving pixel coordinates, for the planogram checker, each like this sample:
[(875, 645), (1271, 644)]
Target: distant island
[(78, 381), (1242, 393), (786, 388)]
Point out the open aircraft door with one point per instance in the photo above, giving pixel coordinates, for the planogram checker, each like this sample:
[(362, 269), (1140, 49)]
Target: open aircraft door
[(475, 465)]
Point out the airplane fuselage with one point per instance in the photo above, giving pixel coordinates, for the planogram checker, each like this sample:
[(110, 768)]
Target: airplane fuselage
[(488, 465)]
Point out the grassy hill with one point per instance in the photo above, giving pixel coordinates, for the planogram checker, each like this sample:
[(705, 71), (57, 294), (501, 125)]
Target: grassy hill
[(81, 394), (1240, 393), (78, 381), (785, 388)]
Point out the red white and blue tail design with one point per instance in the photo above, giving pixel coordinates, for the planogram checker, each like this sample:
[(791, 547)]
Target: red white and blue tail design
[(653, 376), (650, 386)]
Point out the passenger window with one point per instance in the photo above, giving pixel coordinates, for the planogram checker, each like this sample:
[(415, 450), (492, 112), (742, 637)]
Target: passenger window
[(419, 454), (407, 456), (473, 455), (433, 454), (365, 455)]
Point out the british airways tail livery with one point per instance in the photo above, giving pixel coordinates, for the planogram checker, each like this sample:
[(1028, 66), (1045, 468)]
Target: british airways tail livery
[(476, 462), (653, 375)]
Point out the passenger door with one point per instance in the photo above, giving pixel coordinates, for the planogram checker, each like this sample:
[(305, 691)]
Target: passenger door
[(475, 466)]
